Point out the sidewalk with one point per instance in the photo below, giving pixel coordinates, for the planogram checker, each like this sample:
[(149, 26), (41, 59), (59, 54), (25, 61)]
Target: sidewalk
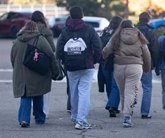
[(59, 125)]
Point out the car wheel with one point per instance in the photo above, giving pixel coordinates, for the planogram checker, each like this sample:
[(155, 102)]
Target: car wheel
[(13, 32)]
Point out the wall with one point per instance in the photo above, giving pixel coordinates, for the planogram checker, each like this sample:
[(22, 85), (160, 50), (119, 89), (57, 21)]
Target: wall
[(49, 11)]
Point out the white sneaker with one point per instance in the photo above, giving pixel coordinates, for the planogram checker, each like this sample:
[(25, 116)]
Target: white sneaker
[(83, 125), (127, 122)]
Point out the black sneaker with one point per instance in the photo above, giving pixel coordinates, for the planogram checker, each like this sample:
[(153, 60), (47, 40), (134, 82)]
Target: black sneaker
[(146, 116), (117, 111), (24, 124), (112, 112)]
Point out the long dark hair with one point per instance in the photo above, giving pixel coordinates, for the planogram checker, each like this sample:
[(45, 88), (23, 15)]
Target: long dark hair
[(38, 16)]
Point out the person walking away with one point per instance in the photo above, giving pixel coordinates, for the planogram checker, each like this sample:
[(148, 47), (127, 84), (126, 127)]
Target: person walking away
[(106, 70), (160, 66), (130, 54), (146, 79), (38, 17), (79, 47), (28, 85)]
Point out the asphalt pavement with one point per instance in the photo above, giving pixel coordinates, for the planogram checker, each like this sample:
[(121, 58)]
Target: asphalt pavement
[(58, 125)]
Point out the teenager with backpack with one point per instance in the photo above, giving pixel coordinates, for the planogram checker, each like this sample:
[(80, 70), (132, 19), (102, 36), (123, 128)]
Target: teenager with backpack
[(160, 66), (105, 72), (79, 47), (146, 79)]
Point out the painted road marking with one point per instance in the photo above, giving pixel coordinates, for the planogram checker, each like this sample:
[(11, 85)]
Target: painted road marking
[(64, 80)]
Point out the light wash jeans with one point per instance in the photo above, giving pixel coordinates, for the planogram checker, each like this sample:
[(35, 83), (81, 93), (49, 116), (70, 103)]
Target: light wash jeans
[(46, 104), (80, 83), (25, 109), (146, 81)]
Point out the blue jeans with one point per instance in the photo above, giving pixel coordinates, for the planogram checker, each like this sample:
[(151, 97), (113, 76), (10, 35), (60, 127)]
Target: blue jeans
[(163, 87), (112, 90), (25, 109), (80, 83), (68, 94), (114, 96), (147, 93)]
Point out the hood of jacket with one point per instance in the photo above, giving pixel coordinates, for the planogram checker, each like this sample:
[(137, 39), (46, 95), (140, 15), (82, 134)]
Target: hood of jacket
[(25, 35), (129, 36), (43, 29), (74, 24)]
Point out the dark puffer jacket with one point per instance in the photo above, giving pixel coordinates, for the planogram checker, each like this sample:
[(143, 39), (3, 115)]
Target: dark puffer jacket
[(152, 38)]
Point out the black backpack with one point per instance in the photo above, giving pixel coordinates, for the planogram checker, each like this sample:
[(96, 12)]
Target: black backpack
[(146, 30), (75, 51), (107, 63)]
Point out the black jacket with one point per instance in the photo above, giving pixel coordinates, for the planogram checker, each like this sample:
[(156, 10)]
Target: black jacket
[(152, 38), (90, 37)]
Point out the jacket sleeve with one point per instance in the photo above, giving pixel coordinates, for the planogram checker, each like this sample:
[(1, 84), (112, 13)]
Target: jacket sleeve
[(107, 50), (49, 37), (97, 45), (146, 58), (13, 54), (60, 47), (45, 46), (154, 48)]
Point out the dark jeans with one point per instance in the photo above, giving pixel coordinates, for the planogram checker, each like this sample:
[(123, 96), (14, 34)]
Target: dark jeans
[(25, 109), (68, 93), (163, 87), (112, 90), (147, 93)]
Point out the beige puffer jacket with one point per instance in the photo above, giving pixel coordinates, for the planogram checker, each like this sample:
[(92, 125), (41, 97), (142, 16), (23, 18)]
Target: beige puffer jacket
[(131, 50)]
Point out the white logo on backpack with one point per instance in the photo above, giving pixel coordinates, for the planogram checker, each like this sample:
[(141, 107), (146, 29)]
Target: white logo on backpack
[(75, 46)]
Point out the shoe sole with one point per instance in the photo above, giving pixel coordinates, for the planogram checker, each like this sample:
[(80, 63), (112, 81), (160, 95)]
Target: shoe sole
[(83, 128), (24, 125), (127, 125), (149, 117)]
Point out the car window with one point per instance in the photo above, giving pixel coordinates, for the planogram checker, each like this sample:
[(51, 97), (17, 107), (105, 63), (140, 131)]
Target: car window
[(94, 24), (4, 16), (13, 16)]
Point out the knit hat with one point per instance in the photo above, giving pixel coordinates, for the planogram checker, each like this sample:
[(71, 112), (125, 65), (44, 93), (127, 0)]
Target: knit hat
[(144, 17), (76, 12)]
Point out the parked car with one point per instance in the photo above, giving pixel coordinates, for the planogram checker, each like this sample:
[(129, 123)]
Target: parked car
[(99, 23), (159, 25), (12, 22)]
